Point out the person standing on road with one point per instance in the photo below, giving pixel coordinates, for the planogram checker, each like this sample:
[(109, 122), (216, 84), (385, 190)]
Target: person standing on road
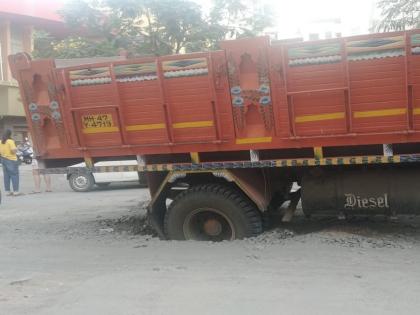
[(37, 174), (10, 163), (37, 178)]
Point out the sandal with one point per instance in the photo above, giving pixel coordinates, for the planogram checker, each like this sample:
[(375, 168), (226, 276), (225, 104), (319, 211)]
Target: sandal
[(34, 192), (9, 194)]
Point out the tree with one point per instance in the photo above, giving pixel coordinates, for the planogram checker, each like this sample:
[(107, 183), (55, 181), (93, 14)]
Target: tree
[(398, 15), (165, 26), (150, 27), (240, 18), (46, 46)]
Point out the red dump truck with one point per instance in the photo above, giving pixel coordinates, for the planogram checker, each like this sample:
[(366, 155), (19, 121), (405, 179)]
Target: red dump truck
[(223, 135)]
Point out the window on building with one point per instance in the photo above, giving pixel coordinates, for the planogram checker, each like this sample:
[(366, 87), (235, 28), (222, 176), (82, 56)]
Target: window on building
[(16, 39), (20, 133)]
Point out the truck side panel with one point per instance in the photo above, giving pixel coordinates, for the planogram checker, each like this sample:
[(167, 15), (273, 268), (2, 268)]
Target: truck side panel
[(252, 95)]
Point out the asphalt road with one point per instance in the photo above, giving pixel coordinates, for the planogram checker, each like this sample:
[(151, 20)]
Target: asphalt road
[(89, 253)]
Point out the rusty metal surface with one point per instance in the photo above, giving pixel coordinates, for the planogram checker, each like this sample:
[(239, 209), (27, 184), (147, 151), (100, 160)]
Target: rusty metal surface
[(361, 192)]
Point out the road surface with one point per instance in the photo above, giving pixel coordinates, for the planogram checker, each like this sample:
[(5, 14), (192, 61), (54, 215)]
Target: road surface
[(90, 253)]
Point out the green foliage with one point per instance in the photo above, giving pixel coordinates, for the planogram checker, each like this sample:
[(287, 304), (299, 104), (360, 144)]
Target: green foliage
[(240, 18), (398, 15), (164, 26), (45, 46), (150, 27)]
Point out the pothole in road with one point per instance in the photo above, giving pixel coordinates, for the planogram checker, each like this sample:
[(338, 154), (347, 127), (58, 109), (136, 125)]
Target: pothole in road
[(133, 224), (130, 224), (362, 232)]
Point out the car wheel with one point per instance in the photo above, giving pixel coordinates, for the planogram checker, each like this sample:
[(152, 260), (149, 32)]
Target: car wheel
[(81, 182), (102, 185)]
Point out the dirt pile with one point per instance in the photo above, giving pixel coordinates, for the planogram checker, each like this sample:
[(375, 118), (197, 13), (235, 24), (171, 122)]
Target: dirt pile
[(132, 224)]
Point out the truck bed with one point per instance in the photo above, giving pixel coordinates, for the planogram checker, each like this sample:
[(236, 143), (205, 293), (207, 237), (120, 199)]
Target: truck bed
[(251, 95)]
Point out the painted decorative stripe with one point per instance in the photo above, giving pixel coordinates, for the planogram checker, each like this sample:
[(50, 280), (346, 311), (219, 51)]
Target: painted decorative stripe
[(352, 160), (95, 81), (253, 140), (314, 50), (415, 39), (135, 69), (380, 113), (193, 124), (184, 64), (137, 78), (416, 111), (377, 55), (186, 73), (315, 60), (135, 72), (100, 130), (89, 73), (184, 68), (375, 44), (319, 117), (145, 127)]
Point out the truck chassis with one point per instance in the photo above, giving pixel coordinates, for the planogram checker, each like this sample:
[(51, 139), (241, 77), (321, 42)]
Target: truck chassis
[(227, 200)]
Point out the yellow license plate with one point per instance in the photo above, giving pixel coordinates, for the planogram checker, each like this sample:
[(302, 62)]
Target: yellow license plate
[(97, 121)]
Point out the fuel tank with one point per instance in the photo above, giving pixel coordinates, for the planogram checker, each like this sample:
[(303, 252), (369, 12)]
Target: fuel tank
[(389, 191)]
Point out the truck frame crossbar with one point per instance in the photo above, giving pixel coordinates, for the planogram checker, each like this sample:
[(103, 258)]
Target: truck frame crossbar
[(301, 162)]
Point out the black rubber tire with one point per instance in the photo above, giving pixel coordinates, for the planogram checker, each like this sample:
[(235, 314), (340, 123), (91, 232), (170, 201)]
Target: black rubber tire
[(90, 182), (103, 185), (142, 179), (244, 216)]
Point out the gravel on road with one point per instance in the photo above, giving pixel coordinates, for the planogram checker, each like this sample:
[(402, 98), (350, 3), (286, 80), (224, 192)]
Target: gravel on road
[(93, 253)]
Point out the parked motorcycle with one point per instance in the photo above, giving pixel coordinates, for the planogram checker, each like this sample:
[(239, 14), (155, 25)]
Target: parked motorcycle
[(25, 153)]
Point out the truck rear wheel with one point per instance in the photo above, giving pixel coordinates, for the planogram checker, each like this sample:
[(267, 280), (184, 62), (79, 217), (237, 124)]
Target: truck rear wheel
[(211, 213)]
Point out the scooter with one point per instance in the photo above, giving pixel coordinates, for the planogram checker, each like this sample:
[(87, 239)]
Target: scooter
[(25, 153)]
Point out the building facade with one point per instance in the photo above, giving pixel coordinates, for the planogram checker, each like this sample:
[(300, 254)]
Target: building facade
[(18, 20)]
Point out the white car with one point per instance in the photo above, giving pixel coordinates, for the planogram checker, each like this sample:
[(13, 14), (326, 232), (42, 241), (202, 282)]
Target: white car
[(85, 182)]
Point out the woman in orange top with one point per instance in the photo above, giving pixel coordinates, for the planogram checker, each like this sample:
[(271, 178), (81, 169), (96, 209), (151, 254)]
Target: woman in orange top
[(10, 163)]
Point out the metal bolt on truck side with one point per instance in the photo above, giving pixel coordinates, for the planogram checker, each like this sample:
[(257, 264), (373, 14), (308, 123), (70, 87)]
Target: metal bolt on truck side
[(225, 134)]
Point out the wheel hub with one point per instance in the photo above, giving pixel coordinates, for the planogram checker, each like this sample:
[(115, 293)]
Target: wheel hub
[(206, 224), (212, 227), (81, 181)]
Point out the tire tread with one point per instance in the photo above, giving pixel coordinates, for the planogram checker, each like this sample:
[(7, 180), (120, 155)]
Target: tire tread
[(252, 215)]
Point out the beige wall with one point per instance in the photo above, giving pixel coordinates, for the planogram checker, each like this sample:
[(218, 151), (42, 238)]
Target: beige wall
[(10, 102), (5, 49), (12, 35)]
